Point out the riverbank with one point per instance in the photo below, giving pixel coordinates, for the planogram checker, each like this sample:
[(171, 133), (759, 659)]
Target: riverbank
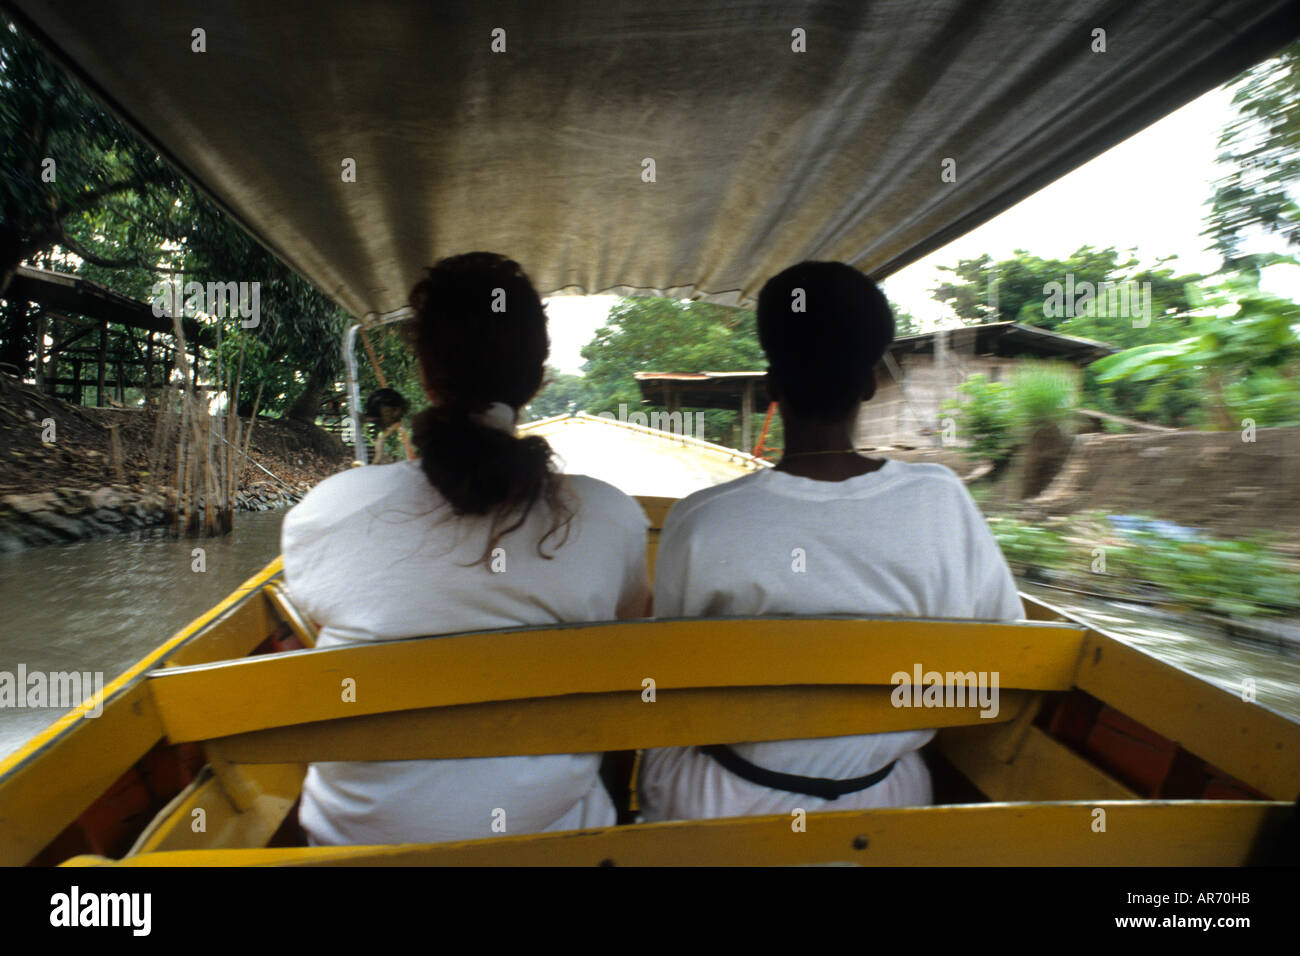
[(63, 477), (1230, 484), (79, 514)]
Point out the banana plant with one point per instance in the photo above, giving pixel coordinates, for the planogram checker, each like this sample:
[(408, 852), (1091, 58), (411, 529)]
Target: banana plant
[(1227, 348)]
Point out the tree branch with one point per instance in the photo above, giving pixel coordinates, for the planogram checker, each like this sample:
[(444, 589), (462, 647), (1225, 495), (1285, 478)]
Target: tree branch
[(88, 198), (94, 259)]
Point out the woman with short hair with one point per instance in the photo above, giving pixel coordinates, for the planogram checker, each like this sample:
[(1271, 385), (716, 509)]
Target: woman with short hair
[(826, 532)]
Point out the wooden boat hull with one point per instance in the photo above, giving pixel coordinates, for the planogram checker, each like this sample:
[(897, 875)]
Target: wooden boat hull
[(196, 761)]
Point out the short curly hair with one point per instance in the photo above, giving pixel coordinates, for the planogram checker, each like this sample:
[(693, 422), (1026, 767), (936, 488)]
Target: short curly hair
[(823, 326)]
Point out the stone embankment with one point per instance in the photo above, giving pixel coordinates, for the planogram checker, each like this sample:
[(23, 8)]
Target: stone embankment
[(75, 514)]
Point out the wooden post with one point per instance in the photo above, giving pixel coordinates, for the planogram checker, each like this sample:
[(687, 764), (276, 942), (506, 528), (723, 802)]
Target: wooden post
[(76, 381), (42, 322), (52, 374), (115, 452), (103, 360), (148, 372)]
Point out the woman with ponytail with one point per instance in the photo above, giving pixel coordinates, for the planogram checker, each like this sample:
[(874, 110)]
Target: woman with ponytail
[(478, 533)]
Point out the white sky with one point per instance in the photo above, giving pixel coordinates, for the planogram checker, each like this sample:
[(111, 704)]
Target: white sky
[(1148, 193)]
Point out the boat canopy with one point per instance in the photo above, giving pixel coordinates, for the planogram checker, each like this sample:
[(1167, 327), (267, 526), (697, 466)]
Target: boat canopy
[(676, 148)]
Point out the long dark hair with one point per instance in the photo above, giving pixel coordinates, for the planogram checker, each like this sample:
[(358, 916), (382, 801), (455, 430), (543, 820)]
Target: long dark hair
[(480, 337)]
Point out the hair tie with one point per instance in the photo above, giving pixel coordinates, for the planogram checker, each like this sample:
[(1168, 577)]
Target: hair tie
[(498, 415)]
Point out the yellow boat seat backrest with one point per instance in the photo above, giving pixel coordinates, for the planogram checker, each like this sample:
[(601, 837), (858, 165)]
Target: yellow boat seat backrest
[(610, 686)]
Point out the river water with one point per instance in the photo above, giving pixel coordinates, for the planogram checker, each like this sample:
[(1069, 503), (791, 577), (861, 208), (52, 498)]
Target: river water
[(102, 605), (1204, 650)]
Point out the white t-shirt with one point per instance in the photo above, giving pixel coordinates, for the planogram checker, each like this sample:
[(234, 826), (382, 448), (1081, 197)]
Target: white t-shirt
[(375, 554), (905, 540)]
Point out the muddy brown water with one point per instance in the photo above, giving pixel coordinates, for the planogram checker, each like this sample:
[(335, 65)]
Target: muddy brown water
[(99, 606)]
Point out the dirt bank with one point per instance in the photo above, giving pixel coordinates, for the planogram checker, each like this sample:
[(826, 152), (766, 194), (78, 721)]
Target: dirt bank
[(59, 481), (1212, 480)]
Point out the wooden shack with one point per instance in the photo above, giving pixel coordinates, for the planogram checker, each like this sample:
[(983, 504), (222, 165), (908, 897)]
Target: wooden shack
[(917, 375)]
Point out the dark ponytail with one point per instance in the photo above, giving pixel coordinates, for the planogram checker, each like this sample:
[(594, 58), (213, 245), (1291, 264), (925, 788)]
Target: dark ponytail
[(480, 336)]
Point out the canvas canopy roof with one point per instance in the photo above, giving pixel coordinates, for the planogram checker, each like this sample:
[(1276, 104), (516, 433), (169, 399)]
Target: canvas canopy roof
[(763, 155)]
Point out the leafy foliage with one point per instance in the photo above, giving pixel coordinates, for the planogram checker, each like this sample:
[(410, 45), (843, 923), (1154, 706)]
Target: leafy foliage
[(72, 176), (668, 335), (561, 394), (986, 418), (1044, 393), (130, 219), (997, 417), (904, 322), (1247, 362), (1245, 577), (1261, 151), (295, 350), (1021, 283), (1030, 545), (1017, 285)]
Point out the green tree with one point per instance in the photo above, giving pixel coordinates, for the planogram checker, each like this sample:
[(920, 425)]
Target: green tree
[(1021, 293), (131, 220), (72, 177), (1261, 153), (1246, 362), (1018, 285), (1012, 290), (561, 394), (904, 322), (668, 335), (986, 418), (295, 350)]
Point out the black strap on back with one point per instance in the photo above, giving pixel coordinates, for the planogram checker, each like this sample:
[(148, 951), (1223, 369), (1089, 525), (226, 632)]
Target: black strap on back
[(822, 787)]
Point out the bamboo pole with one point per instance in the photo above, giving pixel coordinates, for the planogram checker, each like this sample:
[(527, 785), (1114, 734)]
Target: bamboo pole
[(184, 477), (178, 504), (209, 478), (248, 440), (115, 452)]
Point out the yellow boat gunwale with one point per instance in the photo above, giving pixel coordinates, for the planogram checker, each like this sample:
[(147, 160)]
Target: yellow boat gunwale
[(1063, 833)]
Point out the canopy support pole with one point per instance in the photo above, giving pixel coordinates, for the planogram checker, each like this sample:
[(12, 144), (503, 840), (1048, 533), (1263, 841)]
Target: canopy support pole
[(354, 393)]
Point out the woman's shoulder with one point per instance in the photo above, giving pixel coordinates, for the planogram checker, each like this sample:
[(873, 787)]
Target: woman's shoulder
[(925, 471), (705, 502), (341, 496), (602, 497)]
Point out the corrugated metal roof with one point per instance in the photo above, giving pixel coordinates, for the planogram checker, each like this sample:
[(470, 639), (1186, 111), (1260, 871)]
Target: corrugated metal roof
[(1008, 339)]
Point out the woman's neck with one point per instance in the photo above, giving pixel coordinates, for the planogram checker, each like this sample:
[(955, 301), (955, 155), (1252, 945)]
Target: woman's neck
[(823, 451)]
